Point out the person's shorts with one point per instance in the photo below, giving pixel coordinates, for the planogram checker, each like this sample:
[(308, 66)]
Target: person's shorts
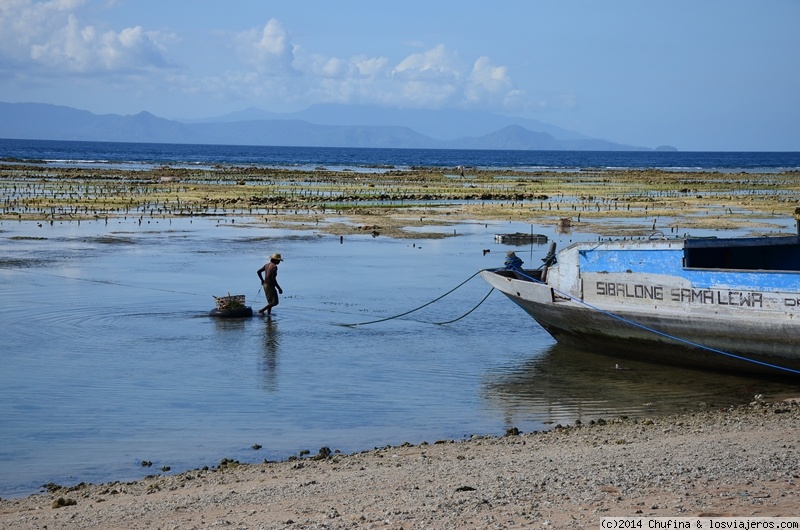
[(272, 294)]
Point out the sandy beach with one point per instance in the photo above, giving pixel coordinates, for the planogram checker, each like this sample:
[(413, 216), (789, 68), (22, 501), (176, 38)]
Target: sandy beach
[(731, 462)]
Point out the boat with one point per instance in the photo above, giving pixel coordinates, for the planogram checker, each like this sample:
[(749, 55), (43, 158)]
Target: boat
[(520, 238), (719, 303), (231, 306)]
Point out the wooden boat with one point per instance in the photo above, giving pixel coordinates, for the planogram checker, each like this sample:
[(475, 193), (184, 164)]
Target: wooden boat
[(520, 238), (721, 303), (231, 306)]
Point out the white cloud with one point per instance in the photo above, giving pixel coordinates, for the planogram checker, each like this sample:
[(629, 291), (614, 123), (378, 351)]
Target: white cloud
[(269, 49), (434, 64), (49, 36), (45, 40), (278, 69), (320, 67), (370, 66), (489, 77), (432, 78), (491, 84)]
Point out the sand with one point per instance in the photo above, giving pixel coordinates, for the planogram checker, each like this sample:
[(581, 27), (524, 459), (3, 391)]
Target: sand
[(734, 462)]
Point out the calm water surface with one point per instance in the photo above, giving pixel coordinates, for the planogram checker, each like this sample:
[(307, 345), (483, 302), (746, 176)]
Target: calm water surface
[(109, 357), (124, 155)]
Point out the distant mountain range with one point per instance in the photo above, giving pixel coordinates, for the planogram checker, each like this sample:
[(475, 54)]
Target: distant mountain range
[(317, 126)]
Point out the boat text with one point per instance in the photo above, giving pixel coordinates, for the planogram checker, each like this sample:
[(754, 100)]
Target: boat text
[(683, 295), (627, 290)]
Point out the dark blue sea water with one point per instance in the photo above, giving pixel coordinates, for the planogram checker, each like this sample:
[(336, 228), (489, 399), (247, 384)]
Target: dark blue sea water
[(108, 356), (146, 155)]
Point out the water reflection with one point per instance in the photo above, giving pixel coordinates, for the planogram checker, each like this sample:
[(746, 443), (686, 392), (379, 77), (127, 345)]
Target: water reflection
[(226, 325), (269, 365), (562, 385), (564, 225)]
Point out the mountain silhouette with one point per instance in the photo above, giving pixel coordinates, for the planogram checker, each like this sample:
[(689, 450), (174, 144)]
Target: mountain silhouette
[(317, 126)]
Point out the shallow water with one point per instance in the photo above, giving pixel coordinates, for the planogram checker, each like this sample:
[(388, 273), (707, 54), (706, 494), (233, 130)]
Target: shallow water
[(109, 356)]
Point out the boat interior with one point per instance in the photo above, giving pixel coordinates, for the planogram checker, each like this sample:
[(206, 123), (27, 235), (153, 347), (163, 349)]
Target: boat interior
[(780, 253), (527, 274), (762, 253)]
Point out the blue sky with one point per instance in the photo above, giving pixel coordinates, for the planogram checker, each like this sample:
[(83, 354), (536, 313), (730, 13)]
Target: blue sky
[(699, 75)]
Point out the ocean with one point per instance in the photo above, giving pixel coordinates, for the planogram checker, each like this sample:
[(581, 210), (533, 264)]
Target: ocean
[(147, 155), (109, 360)]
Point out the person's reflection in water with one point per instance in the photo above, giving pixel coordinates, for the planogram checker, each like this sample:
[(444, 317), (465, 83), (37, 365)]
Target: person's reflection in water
[(271, 345)]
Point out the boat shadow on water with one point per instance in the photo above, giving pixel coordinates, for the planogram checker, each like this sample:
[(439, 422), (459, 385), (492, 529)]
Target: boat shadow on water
[(565, 384)]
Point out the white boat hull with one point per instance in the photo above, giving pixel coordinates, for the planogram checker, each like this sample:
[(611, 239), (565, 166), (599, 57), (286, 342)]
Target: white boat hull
[(659, 316)]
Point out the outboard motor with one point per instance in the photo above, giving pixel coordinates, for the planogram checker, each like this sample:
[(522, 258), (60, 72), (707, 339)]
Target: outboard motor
[(550, 258)]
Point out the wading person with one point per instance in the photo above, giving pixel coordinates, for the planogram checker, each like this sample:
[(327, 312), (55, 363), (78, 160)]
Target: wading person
[(269, 281)]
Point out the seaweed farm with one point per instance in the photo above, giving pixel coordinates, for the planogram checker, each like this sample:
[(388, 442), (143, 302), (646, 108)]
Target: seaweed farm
[(426, 195)]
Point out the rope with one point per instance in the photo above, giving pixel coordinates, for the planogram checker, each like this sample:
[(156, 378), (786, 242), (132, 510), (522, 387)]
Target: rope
[(415, 309), (661, 333), (468, 312), (259, 293), (105, 282)]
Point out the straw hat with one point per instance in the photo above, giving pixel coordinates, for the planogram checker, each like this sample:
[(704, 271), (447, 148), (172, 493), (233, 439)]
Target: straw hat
[(276, 256)]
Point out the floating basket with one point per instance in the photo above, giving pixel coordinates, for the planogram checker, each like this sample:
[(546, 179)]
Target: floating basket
[(230, 302)]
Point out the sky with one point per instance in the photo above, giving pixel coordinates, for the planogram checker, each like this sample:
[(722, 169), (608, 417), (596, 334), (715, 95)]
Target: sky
[(700, 75)]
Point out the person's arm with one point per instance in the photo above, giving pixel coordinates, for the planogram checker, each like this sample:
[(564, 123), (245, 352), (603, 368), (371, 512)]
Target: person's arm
[(259, 271)]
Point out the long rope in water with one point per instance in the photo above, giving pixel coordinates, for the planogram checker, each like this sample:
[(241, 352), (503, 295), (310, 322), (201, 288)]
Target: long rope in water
[(420, 307), (259, 292), (468, 312), (657, 332), (105, 282)]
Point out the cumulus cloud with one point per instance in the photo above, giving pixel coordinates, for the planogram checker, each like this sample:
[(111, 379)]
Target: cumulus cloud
[(490, 83), (436, 64), (432, 78), (321, 67), (268, 50), (489, 77), (370, 66), (439, 77), (49, 36)]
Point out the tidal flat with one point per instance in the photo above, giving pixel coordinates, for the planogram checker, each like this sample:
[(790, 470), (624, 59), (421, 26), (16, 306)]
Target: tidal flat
[(389, 202)]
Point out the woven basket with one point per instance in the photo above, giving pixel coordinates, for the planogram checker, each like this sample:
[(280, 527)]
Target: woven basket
[(235, 301)]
